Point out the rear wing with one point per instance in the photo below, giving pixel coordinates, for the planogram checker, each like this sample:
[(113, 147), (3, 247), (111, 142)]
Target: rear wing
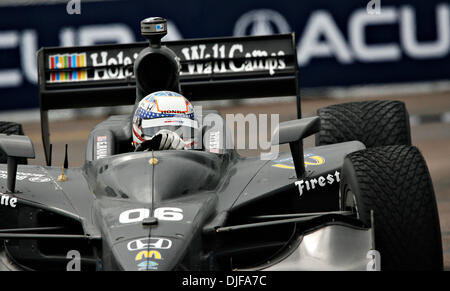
[(211, 69)]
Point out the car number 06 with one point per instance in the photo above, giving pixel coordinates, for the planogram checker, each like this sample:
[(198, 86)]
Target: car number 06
[(162, 213)]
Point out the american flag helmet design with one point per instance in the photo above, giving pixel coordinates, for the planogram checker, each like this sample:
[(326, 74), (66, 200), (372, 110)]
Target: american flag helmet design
[(162, 110)]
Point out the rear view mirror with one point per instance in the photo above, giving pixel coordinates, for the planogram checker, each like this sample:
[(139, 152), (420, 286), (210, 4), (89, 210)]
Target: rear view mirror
[(293, 132), (15, 147)]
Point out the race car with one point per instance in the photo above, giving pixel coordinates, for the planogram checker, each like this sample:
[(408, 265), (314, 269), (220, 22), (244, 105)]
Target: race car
[(361, 199)]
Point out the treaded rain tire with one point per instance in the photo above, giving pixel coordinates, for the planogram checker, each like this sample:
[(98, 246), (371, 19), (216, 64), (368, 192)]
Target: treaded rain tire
[(374, 123), (394, 182)]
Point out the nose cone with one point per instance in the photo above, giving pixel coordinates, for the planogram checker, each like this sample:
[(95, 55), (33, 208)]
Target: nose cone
[(177, 199), (148, 253)]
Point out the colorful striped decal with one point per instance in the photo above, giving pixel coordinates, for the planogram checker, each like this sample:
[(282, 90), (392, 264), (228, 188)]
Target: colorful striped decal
[(67, 61)]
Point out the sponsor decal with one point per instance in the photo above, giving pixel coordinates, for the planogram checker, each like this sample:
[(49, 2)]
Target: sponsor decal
[(118, 65), (160, 27), (67, 61), (32, 177), (173, 121), (6, 200), (105, 66), (175, 104), (161, 213), (102, 147), (320, 181), (310, 160), (146, 123), (214, 142), (147, 265), (149, 243), (254, 60), (148, 255)]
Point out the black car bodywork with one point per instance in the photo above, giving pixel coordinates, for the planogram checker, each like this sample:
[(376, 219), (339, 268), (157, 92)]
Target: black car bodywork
[(178, 210)]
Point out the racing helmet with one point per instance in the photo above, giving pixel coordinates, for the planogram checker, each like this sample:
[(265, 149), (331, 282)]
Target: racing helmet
[(164, 110)]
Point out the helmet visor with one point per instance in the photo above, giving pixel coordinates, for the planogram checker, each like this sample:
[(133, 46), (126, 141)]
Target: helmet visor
[(186, 128)]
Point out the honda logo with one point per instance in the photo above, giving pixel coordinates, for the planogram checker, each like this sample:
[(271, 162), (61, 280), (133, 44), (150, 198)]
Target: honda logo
[(149, 243)]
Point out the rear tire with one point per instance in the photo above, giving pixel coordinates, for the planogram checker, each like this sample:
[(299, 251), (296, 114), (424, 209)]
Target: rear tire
[(394, 182), (374, 123), (10, 128)]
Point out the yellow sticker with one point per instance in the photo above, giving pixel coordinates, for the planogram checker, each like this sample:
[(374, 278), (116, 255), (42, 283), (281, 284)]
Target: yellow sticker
[(148, 255), (310, 160), (317, 160)]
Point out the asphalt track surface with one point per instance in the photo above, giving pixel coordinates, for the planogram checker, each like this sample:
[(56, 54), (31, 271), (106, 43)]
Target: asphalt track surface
[(431, 137)]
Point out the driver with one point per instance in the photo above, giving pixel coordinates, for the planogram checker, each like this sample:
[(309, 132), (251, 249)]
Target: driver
[(164, 120)]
